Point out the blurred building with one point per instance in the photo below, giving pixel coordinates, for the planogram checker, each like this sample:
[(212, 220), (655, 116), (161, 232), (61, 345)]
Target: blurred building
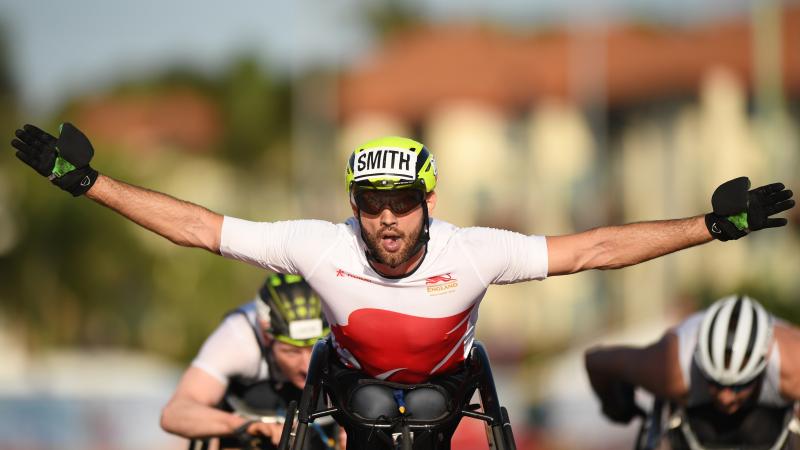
[(145, 122)]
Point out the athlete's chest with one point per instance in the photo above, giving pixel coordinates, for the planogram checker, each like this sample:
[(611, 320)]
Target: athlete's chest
[(436, 290)]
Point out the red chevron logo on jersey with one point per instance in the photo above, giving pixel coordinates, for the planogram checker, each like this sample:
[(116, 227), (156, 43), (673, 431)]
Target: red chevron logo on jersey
[(443, 278), (441, 284)]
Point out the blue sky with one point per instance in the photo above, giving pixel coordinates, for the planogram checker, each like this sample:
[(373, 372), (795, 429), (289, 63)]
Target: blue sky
[(60, 48)]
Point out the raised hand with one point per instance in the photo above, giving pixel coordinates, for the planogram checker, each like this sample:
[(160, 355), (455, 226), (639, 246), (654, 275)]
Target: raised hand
[(738, 210), (63, 160)]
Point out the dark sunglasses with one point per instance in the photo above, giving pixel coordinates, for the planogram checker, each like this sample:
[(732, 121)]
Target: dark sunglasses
[(736, 388), (399, 202)]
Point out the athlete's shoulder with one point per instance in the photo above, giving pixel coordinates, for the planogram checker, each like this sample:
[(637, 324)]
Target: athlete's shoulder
[(442, 228), (480, 237), (449, 230), (690, 323), (315, 224), (247, 311), (311, 238), (237, 324), (441, 233), (788, 341), (234, 222)]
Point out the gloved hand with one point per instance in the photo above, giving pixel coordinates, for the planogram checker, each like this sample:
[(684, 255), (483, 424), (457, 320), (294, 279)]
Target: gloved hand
[(738, 211), (248, 441), (64, 161), (619, 405)]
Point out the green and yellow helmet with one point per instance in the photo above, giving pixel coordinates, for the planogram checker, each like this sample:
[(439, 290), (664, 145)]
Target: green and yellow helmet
[(293, 309), (391, 163)]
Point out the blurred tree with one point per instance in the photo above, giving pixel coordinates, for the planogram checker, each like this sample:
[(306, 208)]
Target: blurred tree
[(255, 111), (388, 17), (8, 105)]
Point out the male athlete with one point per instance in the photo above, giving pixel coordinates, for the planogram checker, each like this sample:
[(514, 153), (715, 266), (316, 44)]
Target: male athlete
[(252, 366), (730, 372)]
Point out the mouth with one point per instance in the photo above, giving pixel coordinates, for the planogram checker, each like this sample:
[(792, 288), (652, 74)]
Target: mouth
[(391, 242), (727, 408)]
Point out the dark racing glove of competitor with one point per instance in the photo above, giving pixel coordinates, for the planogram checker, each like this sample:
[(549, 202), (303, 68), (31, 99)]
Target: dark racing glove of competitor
[(738, 211), (619, 404), (248, 441), (63, 160)]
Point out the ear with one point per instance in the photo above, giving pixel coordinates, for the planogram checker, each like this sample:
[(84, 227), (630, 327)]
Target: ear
[(268, 340), (430, 199)]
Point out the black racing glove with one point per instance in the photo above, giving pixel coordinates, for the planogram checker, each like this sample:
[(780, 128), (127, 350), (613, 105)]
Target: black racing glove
[(248, 441), (64, 161), (619, 405), (738, 211)]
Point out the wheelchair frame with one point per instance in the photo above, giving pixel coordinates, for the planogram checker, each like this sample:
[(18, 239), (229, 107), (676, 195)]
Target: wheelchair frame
[(400, 435), (661, 421)]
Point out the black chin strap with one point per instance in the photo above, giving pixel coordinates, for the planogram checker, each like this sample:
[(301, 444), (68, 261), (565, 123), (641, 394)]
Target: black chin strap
[(425, 234), (422, 240)]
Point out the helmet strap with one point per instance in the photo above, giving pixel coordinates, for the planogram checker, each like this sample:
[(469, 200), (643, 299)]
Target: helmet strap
[(425, 233)]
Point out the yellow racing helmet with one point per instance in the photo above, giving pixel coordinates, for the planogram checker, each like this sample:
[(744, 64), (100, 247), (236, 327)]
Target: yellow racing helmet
[(389, 163)]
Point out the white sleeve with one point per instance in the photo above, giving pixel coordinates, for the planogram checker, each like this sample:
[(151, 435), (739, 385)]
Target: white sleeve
[(504, 257), (291, 247), (231, 350), (686, 332)]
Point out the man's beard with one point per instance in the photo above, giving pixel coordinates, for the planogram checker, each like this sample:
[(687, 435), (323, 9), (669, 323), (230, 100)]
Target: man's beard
[(395, 259)]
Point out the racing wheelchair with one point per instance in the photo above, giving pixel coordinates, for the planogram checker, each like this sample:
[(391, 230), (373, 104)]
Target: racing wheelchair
[(669, 426), (380, 415)]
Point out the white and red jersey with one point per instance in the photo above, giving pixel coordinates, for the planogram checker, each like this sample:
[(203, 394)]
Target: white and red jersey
[(234, 349), (406, 329)]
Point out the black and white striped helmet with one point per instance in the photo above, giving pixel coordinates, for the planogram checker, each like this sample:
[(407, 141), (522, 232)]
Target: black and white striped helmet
[(735, 337)]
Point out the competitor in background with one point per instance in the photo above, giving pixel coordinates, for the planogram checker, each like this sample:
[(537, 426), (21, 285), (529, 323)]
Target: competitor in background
[(250, 367), (731, 373)]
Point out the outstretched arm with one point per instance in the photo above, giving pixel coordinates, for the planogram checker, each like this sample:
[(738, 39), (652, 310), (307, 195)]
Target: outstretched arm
[(737, 211), (614, 372), (179, 221), (654, 368), (191, 413), (620, 246), (65, 162)]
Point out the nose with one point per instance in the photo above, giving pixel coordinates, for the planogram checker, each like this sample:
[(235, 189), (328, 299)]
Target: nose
[(726, 397), (387, 217)]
